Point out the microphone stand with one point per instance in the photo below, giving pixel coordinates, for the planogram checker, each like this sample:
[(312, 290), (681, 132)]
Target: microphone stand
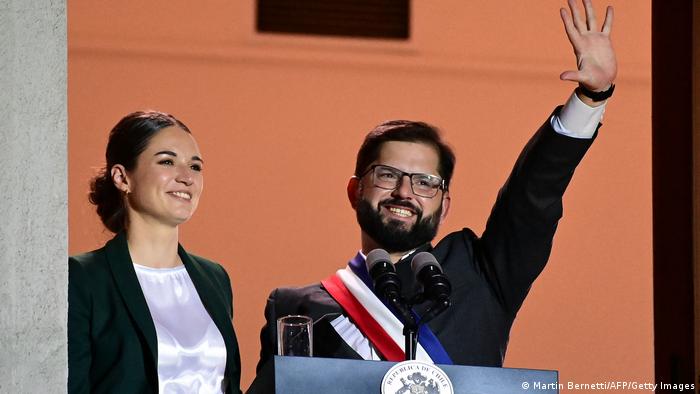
[(434, 310), (410, 326), (410, 332)]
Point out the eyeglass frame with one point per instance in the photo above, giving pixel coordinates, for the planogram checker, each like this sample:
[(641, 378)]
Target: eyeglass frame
[(441, 186)]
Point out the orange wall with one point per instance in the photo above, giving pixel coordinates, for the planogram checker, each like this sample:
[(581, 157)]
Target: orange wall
[(279, 120)]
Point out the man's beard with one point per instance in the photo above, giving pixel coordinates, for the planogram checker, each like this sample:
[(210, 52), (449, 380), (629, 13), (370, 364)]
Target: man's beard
[(392, 236)]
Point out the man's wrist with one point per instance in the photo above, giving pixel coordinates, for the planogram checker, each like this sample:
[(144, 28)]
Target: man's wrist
[(594, 98)]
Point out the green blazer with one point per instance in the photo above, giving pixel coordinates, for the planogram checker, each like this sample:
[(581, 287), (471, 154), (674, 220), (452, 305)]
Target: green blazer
[(112, 344)]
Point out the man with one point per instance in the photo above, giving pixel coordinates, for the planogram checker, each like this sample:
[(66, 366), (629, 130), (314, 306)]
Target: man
[(400, 192)]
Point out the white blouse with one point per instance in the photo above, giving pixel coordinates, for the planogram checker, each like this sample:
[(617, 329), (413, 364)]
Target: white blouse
[(191, 350)]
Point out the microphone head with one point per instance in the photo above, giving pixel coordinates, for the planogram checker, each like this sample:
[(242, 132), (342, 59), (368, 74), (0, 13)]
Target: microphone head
[(381, 270), (422, 260), (377, 256), (428, 272)]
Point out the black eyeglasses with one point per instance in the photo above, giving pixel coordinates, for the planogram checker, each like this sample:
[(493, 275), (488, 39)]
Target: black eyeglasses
[(389, 178)]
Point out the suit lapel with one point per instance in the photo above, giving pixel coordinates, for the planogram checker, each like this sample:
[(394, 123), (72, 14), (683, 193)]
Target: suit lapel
[(126, 281), (214, 301)]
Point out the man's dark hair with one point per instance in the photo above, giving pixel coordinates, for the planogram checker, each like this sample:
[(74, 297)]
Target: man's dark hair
[(405, 131)]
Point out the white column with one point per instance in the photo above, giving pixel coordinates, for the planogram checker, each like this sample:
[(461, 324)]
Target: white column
[(33, 208)]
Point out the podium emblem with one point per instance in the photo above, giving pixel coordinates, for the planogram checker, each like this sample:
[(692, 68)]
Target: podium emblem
[(416, 377)]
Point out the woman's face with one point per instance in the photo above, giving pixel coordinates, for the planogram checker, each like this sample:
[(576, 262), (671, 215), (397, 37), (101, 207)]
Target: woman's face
[(165, 185)]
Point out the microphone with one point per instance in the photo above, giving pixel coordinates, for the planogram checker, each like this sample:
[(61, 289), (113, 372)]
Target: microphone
[(388, 285), (436, 286), (386, 280)]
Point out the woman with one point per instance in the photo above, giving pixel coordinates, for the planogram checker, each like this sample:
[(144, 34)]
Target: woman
[(145, 316)]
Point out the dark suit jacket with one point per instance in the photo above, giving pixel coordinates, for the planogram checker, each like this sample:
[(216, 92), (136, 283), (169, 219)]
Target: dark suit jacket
[(490, 275), (112, 344)]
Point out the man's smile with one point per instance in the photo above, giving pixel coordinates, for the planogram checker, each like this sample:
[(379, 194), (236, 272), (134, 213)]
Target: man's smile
[(403, 212)]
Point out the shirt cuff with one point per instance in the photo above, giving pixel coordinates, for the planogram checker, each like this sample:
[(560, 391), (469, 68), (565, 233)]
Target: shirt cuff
[(577, 119)]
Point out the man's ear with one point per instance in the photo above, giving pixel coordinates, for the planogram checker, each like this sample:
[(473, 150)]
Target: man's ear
[(119, 177), (445, 206), (354, 189)]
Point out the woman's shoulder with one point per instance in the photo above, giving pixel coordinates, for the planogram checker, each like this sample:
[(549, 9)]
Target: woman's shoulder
[(92, 261), (98, 258), (87, 270), (88, 258)]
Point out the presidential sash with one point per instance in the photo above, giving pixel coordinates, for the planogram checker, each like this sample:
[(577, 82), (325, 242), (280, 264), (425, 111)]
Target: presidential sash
[(352, 289)]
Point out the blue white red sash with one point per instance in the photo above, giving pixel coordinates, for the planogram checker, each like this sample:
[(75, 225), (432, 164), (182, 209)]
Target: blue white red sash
[(426, 337), (352, 289), (371, 316), (383, 343)]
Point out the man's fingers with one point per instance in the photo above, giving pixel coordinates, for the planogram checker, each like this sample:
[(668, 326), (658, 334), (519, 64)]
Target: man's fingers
[(571, 31), (576, 15), (590, 15), (607, 24)]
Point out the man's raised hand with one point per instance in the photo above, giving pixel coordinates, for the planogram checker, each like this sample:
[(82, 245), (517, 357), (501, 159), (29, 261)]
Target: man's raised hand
[(595, 56)]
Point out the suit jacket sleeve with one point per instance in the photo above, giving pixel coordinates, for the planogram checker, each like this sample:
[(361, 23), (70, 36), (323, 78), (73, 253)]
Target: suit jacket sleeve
[(79, 352), (517, 240), (225, 284), (268, 334), (236, 378)]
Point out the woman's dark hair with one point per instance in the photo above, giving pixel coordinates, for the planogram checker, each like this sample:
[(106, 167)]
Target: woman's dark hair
[(127, 140), (406, 131)]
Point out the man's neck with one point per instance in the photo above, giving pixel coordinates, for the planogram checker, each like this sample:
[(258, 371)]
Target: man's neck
[(369, 245)]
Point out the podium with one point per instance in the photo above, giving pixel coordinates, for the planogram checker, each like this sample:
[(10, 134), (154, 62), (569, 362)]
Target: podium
[(315, 375)]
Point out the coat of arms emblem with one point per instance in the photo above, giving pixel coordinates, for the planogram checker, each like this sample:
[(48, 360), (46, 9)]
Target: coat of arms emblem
[(415, 377)]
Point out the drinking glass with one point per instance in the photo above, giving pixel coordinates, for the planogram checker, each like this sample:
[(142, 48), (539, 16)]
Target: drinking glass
[(295, 336)]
